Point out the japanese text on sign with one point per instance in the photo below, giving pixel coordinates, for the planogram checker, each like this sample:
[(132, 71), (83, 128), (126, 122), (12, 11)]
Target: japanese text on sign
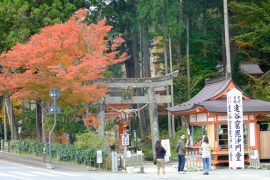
[(235, 129), (125, 139)]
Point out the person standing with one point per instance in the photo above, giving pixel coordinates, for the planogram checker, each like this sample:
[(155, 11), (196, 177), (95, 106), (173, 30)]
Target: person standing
[(181, 151), (206, 154), (160, 153)]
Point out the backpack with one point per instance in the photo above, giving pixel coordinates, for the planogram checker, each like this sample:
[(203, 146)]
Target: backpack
[(177, 148)]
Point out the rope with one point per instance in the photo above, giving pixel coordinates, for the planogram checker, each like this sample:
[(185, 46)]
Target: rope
[(126, 110)]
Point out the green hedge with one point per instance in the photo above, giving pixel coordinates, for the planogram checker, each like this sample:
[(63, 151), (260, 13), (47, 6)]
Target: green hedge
[(62, 152)]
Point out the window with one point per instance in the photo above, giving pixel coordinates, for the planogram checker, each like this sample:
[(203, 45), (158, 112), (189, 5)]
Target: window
[(223, 135)]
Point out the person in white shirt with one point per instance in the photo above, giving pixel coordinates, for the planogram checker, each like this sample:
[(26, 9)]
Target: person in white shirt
[(206, 154)]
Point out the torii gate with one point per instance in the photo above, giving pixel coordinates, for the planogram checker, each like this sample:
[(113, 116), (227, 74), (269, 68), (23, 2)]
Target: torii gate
[(150, 98)]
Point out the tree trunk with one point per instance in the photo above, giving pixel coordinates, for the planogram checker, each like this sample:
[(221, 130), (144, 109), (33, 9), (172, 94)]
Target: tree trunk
[(145, 51), (204, 29), (5, 120), (187, 54), (70, 139), (43, 117), (180, 34), (1, 130), (167, 87), (139, 91), (10, 114), (135, 55), (130, 63), (39, 121)]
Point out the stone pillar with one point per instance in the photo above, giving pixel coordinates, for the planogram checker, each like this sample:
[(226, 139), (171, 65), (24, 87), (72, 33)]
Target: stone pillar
[(101, 117), (153, 114)]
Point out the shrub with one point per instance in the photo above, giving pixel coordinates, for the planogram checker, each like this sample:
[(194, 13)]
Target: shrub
[(62, 152)]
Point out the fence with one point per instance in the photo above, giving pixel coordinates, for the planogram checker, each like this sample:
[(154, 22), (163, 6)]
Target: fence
[(193, 161), (254, 161)]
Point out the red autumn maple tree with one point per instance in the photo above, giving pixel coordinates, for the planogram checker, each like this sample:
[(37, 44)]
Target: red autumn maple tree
[(63, 55)]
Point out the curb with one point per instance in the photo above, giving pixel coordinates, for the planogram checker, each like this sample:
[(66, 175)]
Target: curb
[(21, 159), (35, 162)]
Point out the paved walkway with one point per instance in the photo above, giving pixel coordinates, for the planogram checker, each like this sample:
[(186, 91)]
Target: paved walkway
[(221, 173)]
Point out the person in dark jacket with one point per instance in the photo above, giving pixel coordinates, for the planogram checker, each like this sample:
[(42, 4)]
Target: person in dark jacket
[(181, 154), (160, 153)]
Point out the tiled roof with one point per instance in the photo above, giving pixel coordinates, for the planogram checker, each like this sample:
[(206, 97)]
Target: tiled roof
[(213, 88), (210, 90), (250, 68), (249, 106)]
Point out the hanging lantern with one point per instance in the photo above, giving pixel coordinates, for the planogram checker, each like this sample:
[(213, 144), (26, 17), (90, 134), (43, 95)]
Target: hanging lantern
[(127, 93)]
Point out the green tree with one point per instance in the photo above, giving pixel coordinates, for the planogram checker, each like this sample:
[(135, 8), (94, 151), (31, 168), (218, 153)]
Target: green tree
[(251, 24), (19, 19)]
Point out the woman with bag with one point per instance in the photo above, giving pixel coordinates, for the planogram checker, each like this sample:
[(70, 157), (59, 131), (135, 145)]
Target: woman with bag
[(205, 151), (160, 161)]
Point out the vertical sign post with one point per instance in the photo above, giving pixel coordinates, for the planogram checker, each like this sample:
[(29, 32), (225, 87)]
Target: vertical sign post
[(99, 158), (114, 162), (54, 109), (235, 129), (125, 143)]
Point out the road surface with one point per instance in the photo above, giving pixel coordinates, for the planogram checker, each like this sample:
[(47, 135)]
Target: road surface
[(13, 171)]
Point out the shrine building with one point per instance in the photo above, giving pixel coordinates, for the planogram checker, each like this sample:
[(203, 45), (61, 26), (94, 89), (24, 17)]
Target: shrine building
[(209, 109)]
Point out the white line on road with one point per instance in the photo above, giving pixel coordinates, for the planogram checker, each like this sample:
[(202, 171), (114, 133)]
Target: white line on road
[(64, 173), (44, 173), (23, 174), (14, 176), (17, 164)]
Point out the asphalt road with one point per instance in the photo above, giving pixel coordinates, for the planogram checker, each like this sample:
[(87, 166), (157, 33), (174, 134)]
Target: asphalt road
[(12, 171)]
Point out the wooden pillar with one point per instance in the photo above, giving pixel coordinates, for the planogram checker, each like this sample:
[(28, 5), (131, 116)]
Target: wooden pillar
[(153, 118), (101, 117), (39, 121)]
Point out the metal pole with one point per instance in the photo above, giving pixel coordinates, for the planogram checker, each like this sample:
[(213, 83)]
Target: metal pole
[(54, 114)]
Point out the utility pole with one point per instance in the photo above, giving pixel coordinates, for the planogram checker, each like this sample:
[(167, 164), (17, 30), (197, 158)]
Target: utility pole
[(171, 70), (227, 39)]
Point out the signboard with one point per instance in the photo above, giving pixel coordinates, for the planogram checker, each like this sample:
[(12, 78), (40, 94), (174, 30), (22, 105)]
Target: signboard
[(128, 154), (99, 157), (54, 93), (125, 139), (253, 154), (166, 144), (235, 129), (55, 109)]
